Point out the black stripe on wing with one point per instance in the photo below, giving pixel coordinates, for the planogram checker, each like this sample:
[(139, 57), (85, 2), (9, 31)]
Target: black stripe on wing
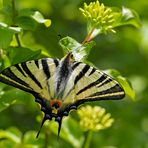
[(75, 65), (102, 78), (9, 82), (20, 70), (8, 73), (105, 82), (114, 92), (26, 69), (37, 63), (56, 62), (45, 68), (81, 74), (92, 71)]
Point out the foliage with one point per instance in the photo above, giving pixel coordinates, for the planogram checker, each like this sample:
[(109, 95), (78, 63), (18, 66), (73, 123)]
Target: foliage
[(26, 33)]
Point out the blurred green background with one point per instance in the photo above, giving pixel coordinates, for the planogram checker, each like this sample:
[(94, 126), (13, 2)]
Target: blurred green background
[(126, 51)]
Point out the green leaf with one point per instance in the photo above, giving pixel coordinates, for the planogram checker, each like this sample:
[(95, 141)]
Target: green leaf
[(12, 134), (6, 34), (127, 87), (26, 23), (80, 51), (127, 16), (21, 54), (28, 19), (4, 60), (40, 19), (10, 96), (123, 81), (15, 131), (30, 139)]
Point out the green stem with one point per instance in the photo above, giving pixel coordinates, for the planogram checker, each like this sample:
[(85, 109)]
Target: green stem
[(87, 140), (87, 38), (14, 14), (17, 40), (46, 138), (13, 11)]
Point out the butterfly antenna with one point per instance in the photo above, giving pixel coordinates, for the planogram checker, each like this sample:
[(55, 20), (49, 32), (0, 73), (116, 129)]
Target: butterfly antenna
[(44, 119)]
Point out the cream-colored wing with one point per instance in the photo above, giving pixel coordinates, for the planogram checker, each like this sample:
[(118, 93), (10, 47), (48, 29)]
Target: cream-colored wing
[(88, 84), (31, 76)]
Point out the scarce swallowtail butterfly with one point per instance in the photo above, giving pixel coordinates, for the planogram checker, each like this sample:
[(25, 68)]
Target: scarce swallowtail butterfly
[(61, 85)]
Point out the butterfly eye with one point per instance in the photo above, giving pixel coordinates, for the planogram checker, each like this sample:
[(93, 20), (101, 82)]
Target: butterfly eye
[(71, 56)]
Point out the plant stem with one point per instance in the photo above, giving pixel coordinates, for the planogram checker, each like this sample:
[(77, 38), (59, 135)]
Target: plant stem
[(17, 40), (46, 138), (13, 11), (13, 22), (88, 37), (87, 140)]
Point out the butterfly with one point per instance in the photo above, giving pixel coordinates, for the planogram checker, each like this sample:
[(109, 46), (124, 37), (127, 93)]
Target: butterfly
[(60, 86)]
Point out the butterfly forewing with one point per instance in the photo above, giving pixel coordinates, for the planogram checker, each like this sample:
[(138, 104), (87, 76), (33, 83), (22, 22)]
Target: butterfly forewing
[(31, 76), (89, 84)]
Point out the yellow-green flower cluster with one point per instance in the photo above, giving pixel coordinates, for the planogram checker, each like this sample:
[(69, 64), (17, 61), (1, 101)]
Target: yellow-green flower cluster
[(99, 16), (94, 118)]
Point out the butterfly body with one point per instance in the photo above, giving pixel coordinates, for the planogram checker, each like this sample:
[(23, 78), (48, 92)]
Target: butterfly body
[(61, 85)]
